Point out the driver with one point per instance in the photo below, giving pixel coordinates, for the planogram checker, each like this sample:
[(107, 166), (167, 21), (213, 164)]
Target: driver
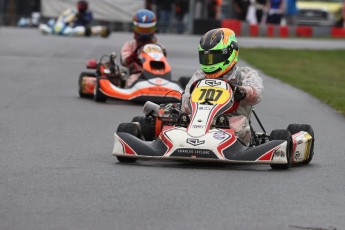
[(84, 16), (144, 26), (218, 56)]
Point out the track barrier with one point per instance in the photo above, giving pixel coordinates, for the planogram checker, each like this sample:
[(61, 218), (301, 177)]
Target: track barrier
[(283, 31)]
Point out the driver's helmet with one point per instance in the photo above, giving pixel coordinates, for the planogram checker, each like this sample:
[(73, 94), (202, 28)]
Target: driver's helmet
[(144, 25), (82, 6), (218, 52)]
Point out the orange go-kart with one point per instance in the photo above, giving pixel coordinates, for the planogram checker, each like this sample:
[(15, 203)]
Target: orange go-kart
[(108, 82)]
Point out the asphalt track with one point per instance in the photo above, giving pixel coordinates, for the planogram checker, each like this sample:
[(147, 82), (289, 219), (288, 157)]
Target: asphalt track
[(57, 171)]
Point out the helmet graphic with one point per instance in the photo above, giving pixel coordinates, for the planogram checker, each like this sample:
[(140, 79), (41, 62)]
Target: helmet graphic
[(144, 25), (82, 6), (218, 52)]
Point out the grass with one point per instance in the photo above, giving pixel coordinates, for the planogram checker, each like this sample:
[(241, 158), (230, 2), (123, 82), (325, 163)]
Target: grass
[(321, 73)]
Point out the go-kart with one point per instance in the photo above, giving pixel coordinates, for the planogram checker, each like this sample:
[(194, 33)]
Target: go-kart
[(108, 82), (205, 134), (63, 26)]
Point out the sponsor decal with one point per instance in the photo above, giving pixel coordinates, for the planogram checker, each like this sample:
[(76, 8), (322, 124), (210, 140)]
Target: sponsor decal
[(297, 155), (194, 151), (219, 135), (204, 108), (195, 142), (216, 95), (279, 153), (198, 126), (212, 82), (156, 89), (159, 81)]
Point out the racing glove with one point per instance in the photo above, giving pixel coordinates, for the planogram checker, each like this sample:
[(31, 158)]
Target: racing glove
[(240, 93)]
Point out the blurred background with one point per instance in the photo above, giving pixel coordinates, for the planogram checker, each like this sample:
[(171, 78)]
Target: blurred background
[(187, 16)]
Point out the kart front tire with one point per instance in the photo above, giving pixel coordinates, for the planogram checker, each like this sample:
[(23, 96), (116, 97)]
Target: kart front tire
[(80, 81), (295, 128), (147, 127), (98, 95), (282, 134), (132, 129)]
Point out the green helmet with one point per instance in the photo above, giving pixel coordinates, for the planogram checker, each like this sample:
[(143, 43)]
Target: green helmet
[(218, 52)]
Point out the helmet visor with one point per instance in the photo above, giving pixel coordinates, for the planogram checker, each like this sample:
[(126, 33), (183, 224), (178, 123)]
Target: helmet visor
[(211, 57), (144, 28)]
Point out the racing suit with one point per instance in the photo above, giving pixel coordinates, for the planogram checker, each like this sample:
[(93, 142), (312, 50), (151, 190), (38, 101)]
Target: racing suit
[(128, 59), (244, 77)]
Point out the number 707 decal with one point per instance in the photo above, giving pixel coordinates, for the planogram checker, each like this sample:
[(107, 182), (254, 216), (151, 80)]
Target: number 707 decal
[(217, 96)]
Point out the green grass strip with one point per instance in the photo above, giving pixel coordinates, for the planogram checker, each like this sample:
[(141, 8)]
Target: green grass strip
[(320, 73)]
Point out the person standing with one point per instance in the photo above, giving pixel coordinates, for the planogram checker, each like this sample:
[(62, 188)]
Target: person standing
[(291, 11), (260, 8), (343, 13), (241, 8), (165, 10), (181, 8), (214, 9), (275, 11)]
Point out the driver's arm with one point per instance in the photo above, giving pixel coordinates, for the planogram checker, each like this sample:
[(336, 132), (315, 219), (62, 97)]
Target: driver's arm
[(198, 75), (251, 82), (128, 56)]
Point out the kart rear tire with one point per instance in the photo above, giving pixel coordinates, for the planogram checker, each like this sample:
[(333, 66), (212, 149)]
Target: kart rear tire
[(183, 81), (80, 80), (282, 134), (132, 129), (295, 128), (98, 95)]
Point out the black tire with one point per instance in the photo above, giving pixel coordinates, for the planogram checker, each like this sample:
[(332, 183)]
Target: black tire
[(183, 81), (80, 80), (98, 95), (282, 134), (105, 33), (132, 129), (295, 128), (138, 119), (147, 127)]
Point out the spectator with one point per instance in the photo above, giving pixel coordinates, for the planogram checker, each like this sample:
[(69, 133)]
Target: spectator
[(343, 13), (275, 11), (291, 11), (260, 7), (214, 9), (341, 22), (241, 8), (3, 10), (251, 13), (181, 8), (165, 8), (199, 9)]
